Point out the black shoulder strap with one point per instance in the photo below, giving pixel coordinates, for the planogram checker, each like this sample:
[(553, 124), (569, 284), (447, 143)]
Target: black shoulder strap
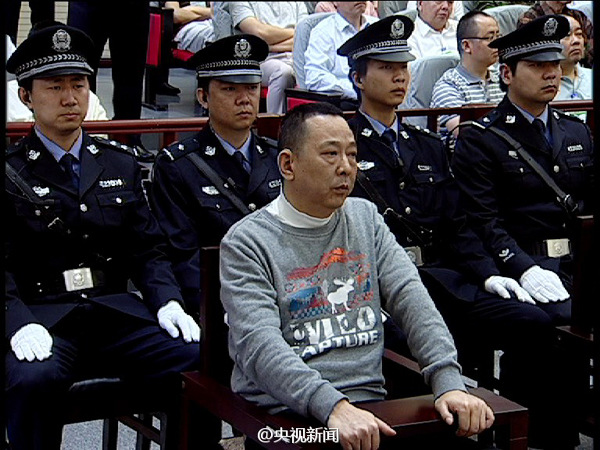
[(218, 182), (421, 237), (55, 223), (564, 199)]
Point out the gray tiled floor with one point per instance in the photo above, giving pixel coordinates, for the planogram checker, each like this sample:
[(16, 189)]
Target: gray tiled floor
[(88, 435)]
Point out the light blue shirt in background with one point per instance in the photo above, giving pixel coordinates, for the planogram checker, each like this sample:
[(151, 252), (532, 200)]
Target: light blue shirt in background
[(324, 69)]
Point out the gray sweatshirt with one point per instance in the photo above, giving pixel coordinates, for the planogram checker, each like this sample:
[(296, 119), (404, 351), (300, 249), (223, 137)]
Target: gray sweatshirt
[(304, 311)]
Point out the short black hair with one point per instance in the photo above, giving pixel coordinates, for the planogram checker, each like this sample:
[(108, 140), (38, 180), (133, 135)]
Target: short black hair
[(467, 27), (293, 129), (360, 67)]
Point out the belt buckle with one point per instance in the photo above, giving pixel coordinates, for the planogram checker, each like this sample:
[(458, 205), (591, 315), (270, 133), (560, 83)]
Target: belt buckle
[(78, 279), (558, 247), (415, 255)]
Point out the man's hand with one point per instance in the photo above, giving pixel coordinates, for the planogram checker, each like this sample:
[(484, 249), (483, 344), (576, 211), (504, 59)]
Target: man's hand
[(503, 286), (31, 342), (474, 415), (358, 429), (173, 318), (543, 285)]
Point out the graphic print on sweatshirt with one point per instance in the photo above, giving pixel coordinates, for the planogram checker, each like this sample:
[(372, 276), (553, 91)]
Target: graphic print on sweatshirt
[(330, 305)]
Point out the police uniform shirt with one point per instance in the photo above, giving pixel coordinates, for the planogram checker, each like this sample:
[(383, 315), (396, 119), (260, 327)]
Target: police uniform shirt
[(511, 206), (423, 192), (192, 211), (107, 228)]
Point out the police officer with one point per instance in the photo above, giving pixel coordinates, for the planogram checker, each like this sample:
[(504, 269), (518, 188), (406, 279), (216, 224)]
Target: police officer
[(203, 185), (405, 171), (513, 208), (78, 229)]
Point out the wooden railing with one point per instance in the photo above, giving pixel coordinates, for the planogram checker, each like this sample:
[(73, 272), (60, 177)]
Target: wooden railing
[(268, 124)]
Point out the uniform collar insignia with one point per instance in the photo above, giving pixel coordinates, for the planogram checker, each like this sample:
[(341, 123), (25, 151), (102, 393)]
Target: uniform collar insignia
[(367, 132), (259, 149), (365, 165), (555, 114), (404, 134), (181, 147), (486, 119), (274, 183), (210, 190), (92, 149), (32, 155), (41, 191), (210, 150), (513, 154), (510, 118)]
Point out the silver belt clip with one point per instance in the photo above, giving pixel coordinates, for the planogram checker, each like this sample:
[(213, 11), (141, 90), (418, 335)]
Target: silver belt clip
[(77, 279), (415, 255), (558, 247)]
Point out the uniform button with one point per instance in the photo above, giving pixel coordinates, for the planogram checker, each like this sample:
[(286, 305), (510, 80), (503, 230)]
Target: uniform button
[(86, 236), (431, 179), (119, 200), (564, 225), (521, 170), (218, 206), (38, 212), (83, 295), (252, 207), (556, 169), (407, 210), (83, 207), (402, 184)]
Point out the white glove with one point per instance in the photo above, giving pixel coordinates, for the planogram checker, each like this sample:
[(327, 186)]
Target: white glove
[(31, 342), (543, 285), (503, 286), (173, 318)]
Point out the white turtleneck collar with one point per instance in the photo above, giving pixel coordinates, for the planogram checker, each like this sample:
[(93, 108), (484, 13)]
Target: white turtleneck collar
[(283, 210)]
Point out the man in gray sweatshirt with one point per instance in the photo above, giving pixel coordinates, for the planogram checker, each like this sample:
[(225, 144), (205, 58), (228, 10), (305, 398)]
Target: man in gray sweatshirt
[(304, 281)]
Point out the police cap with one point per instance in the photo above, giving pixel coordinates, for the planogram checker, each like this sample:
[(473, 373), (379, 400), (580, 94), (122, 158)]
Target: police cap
[(56, 49), (235, 59), (538, 40), (385, 40)]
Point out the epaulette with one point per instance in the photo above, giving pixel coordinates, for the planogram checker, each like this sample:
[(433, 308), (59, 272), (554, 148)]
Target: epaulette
[(269, 141), (559, 114), (15, 147), (425, 131), (489, 118), (114, 145), (180, 148)]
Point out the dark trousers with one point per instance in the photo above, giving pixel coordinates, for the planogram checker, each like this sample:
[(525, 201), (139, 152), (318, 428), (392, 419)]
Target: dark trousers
[(41, 10), (533, 371), (125, 26), (93, 341)]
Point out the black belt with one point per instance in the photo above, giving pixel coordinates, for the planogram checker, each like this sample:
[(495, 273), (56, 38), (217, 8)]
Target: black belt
[(74, 280), (553, 248)]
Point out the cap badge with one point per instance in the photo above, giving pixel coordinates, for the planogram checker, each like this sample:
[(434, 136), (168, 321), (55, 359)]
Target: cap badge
[(61, 41), (242, 49), (550, 27), (397, 29)]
